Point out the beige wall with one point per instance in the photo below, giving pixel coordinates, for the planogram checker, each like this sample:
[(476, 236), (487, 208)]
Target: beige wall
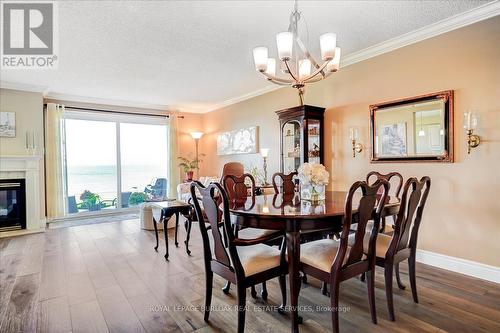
[(28, 107), (462, 218)]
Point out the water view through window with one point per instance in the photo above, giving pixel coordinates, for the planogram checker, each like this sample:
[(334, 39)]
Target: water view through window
[(104, 158)]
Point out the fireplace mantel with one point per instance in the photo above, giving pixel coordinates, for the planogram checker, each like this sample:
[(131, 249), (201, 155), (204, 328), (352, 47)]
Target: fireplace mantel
[(27, 167)]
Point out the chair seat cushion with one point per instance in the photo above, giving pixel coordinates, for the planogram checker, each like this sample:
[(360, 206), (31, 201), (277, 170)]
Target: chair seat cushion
[(253, 233), (258, 258), (383, 242), (321, 253)]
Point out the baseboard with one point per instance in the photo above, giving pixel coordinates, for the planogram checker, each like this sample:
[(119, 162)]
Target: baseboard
[(462, 266)]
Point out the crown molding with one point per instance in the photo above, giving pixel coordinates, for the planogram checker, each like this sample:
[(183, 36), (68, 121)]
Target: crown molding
[(461, 20), (241, 98), (24, 87)]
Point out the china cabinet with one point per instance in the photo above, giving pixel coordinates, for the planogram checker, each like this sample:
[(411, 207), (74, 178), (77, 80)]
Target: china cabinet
[(301, 136)]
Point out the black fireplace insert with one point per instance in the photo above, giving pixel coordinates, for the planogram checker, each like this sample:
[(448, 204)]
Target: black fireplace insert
[(12, 204)]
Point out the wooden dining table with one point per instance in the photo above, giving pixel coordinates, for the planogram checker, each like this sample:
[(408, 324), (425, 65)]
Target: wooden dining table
[(295, 216)]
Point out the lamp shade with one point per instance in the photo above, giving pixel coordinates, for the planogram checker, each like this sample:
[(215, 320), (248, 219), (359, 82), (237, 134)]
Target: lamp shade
[(264, 152), (271, 66), (196, 135), (304, 68), (327, 43), (260, 58), (334, 64), (284, 42)]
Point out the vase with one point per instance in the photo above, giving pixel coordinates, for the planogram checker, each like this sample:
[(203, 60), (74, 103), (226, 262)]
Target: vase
[(189, 175), (312, 192)]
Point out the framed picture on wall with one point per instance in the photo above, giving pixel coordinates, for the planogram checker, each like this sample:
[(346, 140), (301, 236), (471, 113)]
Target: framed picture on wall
[(7, 124), (240, 141), (394, 140)]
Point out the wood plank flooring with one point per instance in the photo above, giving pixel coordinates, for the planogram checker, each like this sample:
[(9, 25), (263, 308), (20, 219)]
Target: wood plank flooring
[(107, 278)]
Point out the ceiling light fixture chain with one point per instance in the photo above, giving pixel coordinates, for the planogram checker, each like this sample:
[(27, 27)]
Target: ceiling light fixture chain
[(330, 55)]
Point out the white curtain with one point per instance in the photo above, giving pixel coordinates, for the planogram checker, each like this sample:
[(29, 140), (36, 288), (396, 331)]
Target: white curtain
[(55, 178), (173, 150)]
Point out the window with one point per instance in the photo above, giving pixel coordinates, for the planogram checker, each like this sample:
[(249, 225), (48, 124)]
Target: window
[(113, 161)]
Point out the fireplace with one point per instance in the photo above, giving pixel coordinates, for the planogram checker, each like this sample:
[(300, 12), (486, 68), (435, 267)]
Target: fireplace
[(12, 204)]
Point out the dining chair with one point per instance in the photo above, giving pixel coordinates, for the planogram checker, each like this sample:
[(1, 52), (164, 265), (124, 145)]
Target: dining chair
[(244, 262), (333, 261), (396, 181), (287, 185), (402, 244), (237, 192)]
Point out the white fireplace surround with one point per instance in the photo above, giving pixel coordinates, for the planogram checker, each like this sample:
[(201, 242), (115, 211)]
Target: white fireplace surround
[(28, 168)]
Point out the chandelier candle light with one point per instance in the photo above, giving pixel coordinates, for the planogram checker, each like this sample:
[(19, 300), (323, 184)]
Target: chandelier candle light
[(313, 179), (299, 65)]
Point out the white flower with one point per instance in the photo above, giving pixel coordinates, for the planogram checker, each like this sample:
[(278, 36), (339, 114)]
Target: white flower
[(313, 173)]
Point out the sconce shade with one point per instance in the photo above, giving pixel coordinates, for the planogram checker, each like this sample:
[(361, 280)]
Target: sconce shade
[(196, 135)]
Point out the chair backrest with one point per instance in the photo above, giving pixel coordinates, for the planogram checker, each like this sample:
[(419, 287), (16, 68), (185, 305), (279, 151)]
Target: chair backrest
[(236, 186), (287, 184), (370, 206), (232, 168), (396, 184), (212, 197), (408, 220)]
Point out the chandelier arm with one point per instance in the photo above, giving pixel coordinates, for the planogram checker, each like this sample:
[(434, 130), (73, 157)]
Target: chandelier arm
[(306, 52), (319, 70), (290, 71), (278, 83), (319, 78), (277, 79)]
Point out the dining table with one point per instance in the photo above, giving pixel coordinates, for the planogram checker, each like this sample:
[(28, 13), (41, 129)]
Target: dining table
[(294, 217)]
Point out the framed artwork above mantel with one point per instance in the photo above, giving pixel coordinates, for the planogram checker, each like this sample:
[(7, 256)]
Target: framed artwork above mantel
[(415, 129)]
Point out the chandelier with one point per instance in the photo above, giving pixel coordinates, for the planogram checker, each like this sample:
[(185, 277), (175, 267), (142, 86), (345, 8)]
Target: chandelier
[(297, 62)]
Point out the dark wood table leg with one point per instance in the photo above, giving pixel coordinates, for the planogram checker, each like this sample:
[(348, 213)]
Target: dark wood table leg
[(156, 233), (165, 232), (187, 226), (293, 250), (176, 228)]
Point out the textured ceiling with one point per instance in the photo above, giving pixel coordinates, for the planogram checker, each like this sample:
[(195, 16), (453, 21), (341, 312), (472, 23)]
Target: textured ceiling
[(195, 54)]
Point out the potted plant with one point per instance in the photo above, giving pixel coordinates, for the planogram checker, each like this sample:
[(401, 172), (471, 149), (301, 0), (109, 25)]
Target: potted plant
[(90, 201), (188, 166), (137, 198)]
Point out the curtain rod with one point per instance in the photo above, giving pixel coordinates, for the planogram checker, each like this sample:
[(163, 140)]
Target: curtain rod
[(119, 112)]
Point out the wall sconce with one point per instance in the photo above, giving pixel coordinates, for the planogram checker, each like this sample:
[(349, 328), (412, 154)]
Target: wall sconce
[(356, 146), (197, 136), (470, 124), (264, 152)]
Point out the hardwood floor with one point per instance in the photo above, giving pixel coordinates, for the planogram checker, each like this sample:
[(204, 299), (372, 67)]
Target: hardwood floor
[(107, 278)]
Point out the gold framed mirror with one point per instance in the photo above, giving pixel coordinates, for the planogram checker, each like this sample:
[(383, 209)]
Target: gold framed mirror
[(418, 129)]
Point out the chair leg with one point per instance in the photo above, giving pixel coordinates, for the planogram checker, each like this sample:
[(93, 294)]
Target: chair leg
[(371, 294), (241, 308), (282, 280), (264, 291), (253, 292), (324, 288), (398, 278), (362, 277), (413, 282), (388, 289), (334, 303), (304, 278), (208, 295), (226, 288)]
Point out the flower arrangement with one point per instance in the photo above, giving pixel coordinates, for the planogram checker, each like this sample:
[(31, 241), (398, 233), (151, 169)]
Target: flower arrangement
[(314, 173), (313, 180)]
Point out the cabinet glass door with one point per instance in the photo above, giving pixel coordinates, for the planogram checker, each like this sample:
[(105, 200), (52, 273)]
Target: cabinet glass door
[(292, 146), (314, 142)]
